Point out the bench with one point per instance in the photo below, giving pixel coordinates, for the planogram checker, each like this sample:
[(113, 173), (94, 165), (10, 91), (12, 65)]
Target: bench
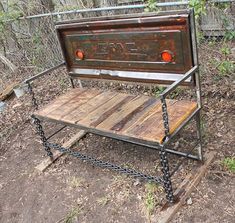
[(155, 48)]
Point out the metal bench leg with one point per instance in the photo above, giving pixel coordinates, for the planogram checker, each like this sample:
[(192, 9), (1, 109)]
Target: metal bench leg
[(166, 175), (199, 135), (41, 133)]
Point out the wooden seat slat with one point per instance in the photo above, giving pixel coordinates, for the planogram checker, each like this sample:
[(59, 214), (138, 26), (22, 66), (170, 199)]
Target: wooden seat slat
[(60, 101), (122, 112), (152, 127), (127, 115), (74, 103), (92, 104), (134, 115), (103, 112)]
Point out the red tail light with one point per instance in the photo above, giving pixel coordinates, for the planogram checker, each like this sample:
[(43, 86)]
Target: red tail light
[(167, 56), (79, 54)]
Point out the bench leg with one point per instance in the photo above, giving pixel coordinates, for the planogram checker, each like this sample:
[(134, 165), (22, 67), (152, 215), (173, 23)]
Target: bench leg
[(166, 175), (41, 133), (199, 135)]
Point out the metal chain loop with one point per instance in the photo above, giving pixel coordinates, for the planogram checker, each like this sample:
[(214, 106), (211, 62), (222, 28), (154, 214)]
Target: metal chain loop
[(41, 133), (31, 92), (108, 165), (165, 117), (166, 175)]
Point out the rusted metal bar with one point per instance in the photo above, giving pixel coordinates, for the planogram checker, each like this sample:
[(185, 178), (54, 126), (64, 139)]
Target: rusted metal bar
[(43, 73), (177, 83)]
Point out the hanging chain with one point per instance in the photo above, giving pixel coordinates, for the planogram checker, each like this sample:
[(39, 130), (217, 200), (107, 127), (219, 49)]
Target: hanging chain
[(31, 92), (166, 175), (165, 117), (108, 165), (163, 156), (41, 133)]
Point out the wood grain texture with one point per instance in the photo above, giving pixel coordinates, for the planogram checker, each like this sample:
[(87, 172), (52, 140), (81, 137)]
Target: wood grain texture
[(123, 114)]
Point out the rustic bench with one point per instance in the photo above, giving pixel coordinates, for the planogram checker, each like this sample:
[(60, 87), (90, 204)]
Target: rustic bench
[(142, 48)]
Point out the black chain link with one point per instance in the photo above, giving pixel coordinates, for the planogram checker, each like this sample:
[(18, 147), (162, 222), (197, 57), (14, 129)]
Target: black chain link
[(41, 133), (31, 92), (163, 155), (108, 165), (166, 175), (165, 117)]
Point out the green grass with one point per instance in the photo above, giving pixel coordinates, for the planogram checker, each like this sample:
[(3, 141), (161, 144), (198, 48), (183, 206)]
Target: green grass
[(158, 90), (71, 216), (75, 182), (150, 201), (103, 201), (229, 164), (176, 93)]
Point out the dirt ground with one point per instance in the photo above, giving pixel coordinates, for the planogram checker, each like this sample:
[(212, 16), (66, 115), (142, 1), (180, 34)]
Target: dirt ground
[(73, 191)]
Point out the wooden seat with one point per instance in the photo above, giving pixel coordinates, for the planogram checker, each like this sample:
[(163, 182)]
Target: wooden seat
[(138, 117)]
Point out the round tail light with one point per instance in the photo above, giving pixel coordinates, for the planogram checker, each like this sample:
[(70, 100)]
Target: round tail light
[(79, 54), (167, 56)]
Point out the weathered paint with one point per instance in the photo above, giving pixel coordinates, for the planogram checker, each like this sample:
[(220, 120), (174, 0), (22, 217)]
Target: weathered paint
[(128, 43)]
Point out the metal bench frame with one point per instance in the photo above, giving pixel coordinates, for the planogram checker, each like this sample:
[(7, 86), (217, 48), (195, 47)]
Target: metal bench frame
[(163, 148)]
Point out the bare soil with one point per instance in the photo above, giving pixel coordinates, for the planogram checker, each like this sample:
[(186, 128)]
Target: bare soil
[(73, 191)]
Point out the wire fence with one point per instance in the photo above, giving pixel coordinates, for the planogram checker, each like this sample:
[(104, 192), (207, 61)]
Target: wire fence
[(31, 43)]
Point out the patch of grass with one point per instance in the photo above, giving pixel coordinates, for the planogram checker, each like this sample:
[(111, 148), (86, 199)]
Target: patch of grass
[(226, 67), (76, 182), (103, 200), (176, 93), (72, 215), (229, 164), (158, 90), (129, 166), (225, 50), (151, 6), (150, 201), (63, 83)]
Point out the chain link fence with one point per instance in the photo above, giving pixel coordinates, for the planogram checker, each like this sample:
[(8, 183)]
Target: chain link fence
[(31, 43)]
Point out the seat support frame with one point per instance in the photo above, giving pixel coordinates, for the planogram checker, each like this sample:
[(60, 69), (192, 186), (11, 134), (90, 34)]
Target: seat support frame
[(165, 180)]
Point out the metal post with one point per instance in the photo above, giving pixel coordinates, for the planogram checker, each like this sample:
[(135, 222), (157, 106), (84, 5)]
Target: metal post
[(199, 135), (72, 82)]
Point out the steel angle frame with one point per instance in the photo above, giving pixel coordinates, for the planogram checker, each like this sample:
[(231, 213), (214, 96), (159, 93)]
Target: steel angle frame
[(163, 148)]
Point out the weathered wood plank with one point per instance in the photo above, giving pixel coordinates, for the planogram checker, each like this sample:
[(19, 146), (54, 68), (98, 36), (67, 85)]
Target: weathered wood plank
[(144, 117), (185, 189), (128, 115), (62, 99), (73, 104), (7, 91), (56, 154), (152, 128), (98, 114), (134, 115), (122, 112), (94, 103)]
